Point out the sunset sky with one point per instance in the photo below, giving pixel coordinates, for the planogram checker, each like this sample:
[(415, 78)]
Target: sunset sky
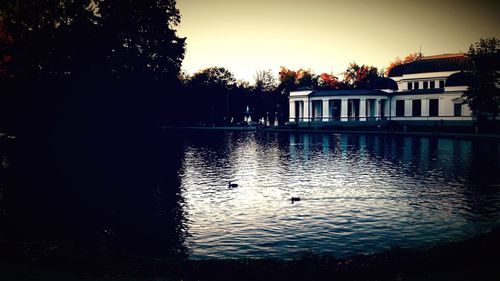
[(326, 35)]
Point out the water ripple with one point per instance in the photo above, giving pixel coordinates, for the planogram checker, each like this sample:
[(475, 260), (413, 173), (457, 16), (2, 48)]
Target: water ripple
[(359, 194)]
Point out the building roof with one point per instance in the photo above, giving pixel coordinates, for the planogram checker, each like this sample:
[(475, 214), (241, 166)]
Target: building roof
[(346, 93), (458, 79), (421, 91), (384, 83), (445, 62)]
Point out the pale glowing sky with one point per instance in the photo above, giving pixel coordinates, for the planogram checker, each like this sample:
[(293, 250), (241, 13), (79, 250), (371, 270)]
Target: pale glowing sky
[(326, 35)]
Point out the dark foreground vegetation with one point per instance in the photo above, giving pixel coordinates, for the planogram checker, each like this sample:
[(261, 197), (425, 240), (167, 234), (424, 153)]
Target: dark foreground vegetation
[(475, 259)]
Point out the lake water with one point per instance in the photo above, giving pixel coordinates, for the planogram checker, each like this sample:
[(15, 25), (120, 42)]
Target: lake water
[(168, 193)]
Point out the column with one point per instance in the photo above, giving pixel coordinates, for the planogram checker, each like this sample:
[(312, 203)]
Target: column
[(353, 108), (387, 108), (368, 108), (343, 110), (307, 115), (291, 117), (425, 107), (326, 112), (408, 108), (393, 107), (362, 110), (377, 109)]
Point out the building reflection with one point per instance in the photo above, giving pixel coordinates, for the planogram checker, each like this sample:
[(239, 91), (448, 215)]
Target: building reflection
[(410, 188)]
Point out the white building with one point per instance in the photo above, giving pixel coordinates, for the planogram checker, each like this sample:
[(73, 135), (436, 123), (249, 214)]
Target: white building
[(420, 92)]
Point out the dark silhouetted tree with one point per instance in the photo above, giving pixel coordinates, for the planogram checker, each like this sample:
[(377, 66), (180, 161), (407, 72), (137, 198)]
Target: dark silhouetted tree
[(144, 42), (209, 93), (97, 48), (120, 39), (287, 80), (265, 81), (265, 95), (306, 79), (483, 94)]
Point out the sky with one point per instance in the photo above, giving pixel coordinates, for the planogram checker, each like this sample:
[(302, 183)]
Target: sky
[(245, 36)]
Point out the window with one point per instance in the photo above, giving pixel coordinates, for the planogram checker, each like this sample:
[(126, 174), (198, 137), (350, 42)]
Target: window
[(433, 84), (400, 108), (415, 85), (416, 108), (457, 109), (426, 85), (433, 107), (410, 86), (441, 84)]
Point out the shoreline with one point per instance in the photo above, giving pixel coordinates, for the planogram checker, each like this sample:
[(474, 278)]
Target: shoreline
[(458, 135), (470, 259)]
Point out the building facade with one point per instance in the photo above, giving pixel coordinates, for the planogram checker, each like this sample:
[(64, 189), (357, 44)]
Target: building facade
[(424, 91)]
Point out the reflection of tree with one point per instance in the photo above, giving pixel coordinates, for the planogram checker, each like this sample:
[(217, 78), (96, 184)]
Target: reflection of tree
[(121, 194), (4, 174)]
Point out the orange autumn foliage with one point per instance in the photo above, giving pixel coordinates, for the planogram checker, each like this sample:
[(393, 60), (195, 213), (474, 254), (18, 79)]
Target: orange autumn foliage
[(328, 80), (286, 73), (397, 61)]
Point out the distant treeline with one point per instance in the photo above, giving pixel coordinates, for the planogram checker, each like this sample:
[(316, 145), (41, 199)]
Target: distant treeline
[(213, 95)]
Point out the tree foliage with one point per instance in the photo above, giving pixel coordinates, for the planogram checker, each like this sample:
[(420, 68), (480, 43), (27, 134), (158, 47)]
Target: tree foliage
[(483, 94), (145, 41), (45, 36), (119, 39), (398, 61), (265, 81), (213, 77), (94, 62), (209, 94), (360, 76), (287, 80), (291, 80), (328, 81)]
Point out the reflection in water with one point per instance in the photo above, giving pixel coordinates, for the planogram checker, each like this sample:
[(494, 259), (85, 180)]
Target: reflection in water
[(116, 193), (167, 194), (360, 193)]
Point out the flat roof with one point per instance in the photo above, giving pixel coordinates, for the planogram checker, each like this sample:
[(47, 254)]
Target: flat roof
[(347, 93)]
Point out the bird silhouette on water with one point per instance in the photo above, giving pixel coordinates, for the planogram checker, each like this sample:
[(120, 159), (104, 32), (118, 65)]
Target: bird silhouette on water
[(294, 199), (232, 185)]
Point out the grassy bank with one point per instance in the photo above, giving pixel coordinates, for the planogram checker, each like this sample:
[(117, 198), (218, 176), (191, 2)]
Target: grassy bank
[(474, 259)]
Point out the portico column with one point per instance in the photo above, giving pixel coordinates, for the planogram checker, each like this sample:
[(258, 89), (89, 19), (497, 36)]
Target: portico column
[(362, 110), (343, 110), (326, 113), (377, 109), (291, 118), (307, 116), (425, 107)]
